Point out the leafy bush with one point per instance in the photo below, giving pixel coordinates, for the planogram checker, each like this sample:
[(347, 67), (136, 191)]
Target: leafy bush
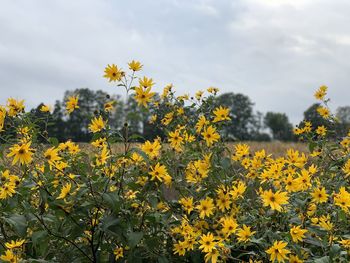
[(187, 198)]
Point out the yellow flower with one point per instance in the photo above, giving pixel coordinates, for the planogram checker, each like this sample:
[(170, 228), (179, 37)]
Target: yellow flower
[(45, 108), (102, 158), (278, 252), (15, 107), (146, 82), (244, 233), (2, 118), (135, 65), (112, 73), (223, 201), (179, 248), (229, 226), (213, 90), (221, 114), (143, 95), (151, 149), (14, 244), (99, 143), (118, 253), (72, 104), (321, 92), (342, 199), (65, 191), (345, 243), (22, 153), (207, 242), (10, 257), (210, 135), (297, 233), (319, 195), (199, 94), (212, 256), (295, 259), (187, 204), (346, 168), (97, 124), (202, 121), (274, 200), (158, 172), (175, 139), (321, 130), (51, 155), (206, 207), (109, 106), (324, 112)]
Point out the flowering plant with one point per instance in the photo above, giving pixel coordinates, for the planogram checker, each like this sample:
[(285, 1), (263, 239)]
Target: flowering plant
[(187, 198)]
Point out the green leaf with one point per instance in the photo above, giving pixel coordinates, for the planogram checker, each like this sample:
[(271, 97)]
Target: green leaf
[(19, 223), (135, 238), (54, 141), (323, 260)]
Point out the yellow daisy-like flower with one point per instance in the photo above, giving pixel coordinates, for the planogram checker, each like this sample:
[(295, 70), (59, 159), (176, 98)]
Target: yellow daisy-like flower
[(278, 251), (319, 195), (143, 96), (9, 256), (244, 234), (109, 106), (118, 253), (2, 117), (274, 200), (97, 124), (22, 153), (321, 92), (15, 107), (210, 135), (221, 114), (72, 104), (187, 204), (321, 130), (45, 108), (324, 112), (146, 82), (112, 73), (14, 244), (65, 191), (207, 242), (206, 207), (297, 233), (135, 65)]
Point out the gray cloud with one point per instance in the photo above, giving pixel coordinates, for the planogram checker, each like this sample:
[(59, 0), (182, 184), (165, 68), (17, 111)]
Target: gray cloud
[(275, 51)]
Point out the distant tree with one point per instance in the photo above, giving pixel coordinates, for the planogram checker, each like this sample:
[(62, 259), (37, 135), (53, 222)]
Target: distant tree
[(76, 123), (314, 117), (241, 112), (279, 125), (257, 128), (57, 127), (343, 115)]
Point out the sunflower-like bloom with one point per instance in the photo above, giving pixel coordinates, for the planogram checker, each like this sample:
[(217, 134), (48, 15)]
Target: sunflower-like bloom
[(72, 103), (97, 124), (143, 96), (112, 73), (278, 251), (22, 153), (274, 200)]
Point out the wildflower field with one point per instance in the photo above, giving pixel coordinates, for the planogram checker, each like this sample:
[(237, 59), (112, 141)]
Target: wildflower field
[(190, 197)]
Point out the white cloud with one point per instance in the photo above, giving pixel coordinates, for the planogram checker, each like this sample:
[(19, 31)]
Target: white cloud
[(277, 52)]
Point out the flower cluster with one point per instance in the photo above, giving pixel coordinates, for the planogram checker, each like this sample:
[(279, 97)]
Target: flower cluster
[(186, 197)]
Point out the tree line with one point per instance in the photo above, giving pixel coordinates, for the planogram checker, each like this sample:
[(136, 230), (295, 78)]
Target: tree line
[(245, 125)]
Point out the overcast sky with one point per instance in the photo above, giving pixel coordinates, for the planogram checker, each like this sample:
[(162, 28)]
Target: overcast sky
[(275, 51)]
